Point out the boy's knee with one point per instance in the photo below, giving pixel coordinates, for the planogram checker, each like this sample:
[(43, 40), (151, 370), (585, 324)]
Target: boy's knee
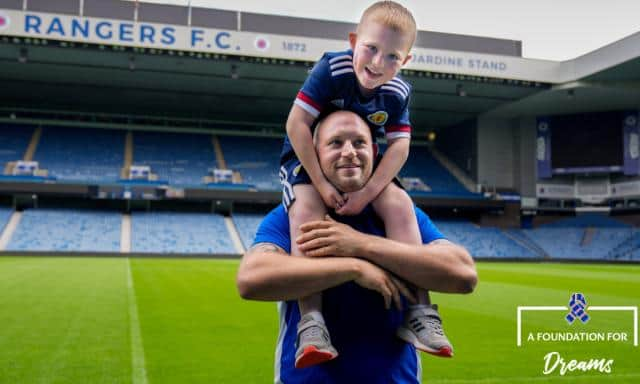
[(307, 206)]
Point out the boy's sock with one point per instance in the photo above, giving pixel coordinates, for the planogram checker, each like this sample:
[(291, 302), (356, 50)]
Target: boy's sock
[(315, 315)]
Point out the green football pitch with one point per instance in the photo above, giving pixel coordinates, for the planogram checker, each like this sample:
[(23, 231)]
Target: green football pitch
[(115, 320)]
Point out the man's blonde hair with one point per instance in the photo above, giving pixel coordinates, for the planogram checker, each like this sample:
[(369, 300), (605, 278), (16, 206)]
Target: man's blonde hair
[(392, 15)]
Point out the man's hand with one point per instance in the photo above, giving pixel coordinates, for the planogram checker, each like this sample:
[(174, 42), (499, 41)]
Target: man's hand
[(327, 237), (330, 195), (372, 277), (355, 202)]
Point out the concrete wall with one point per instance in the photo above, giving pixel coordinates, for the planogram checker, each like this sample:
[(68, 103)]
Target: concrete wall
[(525, 173), (506, 154), (495, 153)]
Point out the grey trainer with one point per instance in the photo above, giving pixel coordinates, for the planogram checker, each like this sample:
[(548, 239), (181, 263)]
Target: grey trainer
[(422, 327), (313, 343)]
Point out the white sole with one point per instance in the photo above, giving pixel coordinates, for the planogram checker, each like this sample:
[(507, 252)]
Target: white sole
[(411, 338)]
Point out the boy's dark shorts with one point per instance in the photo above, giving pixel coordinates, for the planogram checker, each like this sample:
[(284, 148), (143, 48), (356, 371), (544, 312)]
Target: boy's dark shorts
[(292, 173)]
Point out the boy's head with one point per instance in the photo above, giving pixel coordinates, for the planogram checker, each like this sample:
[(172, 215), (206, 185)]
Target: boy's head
[(381, 44)]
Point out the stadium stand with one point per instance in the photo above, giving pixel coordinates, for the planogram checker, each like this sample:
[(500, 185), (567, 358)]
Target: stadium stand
[(179, 158), (634, 255), (81, 155), (423, 165), (5, 214), (67, 230), (189, 233), (629, 249), (13, 142), (522, 239), (247, 225), (483, 241), (257, 159), (589, 236)]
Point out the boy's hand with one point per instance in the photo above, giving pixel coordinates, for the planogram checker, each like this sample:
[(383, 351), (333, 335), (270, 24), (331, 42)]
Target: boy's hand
[(355, 202), (330, 195), (325, 238), (391, 288)]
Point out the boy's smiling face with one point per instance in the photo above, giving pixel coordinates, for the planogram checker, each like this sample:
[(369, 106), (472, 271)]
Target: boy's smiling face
[(379, 52)]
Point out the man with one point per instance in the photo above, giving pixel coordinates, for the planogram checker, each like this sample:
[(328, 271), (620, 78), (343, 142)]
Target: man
[(360, 273)]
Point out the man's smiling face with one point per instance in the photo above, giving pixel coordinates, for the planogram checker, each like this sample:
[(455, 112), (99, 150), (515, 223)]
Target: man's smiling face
[(345, 150)]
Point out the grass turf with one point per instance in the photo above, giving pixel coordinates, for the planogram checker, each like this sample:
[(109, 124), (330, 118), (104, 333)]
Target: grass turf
[(69, 320)]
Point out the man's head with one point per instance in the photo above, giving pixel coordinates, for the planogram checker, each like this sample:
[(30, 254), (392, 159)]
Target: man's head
[(381, 44), (345, 150)]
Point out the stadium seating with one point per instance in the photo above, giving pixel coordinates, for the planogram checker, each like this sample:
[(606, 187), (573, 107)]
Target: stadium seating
[(483, 241), (247, 225), (5, 215), (75, 230), (81, 155), (67, 230), (169, 232), (589, 236), (179, 158), (629, 249), (13, 142), (423, 165), (257, 159)]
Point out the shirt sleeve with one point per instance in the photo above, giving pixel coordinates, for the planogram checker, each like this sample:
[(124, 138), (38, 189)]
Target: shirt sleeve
[(274, 229), (428, 230), (399, 124), (316, 90)]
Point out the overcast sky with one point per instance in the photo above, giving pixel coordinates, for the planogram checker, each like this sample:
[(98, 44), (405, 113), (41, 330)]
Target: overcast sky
[(549, 29)]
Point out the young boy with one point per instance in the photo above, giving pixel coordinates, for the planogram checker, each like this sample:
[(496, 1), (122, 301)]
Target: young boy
[(364, 81)]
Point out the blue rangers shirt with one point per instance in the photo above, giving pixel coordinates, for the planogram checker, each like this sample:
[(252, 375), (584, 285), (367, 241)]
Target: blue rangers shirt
[(361, 329), (332, 85)]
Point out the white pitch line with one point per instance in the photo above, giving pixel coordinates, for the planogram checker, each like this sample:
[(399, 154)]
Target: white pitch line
[(633, 309), (138, 370)]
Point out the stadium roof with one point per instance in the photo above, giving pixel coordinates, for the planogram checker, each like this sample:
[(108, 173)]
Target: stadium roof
[(47, 68)]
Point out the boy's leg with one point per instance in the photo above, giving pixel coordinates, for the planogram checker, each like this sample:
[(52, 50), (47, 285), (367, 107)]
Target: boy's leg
[(422, 326), (313, 344)]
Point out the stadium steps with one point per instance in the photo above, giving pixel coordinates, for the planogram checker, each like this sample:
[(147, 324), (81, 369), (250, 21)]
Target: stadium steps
[(587, 237), (33, 144), (235, 236), (526, 242), (128, 155), (9, 229), (217, 149), (222, 163), (458, 173), (125, 234)]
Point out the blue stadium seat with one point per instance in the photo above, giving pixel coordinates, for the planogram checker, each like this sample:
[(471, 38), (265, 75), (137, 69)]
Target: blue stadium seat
[(81, 155), (256, 158), (170, 232), (423, 165), (247, 225), (589, 236), (67, 230), (483, 241), (14, 140), (5, 215), (179, 158)]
